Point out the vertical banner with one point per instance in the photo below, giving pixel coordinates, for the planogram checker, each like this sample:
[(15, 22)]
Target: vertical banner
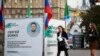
[(51, 39), (23, 37)]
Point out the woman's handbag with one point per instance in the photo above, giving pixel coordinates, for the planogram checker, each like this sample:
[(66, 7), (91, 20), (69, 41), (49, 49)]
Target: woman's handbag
[(66, 43)]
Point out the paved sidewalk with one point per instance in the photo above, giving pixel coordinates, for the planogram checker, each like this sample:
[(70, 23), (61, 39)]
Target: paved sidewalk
[(77, 53), (81, 52)]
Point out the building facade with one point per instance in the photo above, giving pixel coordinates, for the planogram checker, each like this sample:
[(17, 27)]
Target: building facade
[(17, 8)]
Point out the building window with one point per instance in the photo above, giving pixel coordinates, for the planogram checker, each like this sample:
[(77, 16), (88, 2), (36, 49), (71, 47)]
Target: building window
[(13, 16), (30, 1), (24, 16), (5, 16), (9, 6), (50, 3), (10, 11), (16, 11), (9, 16), (26, 0), (13, 12), (31, 6), (36, 1), (9, 0), (5, 6), (20, 0), (19, 11), (6, 11), (15, 1), (16, 16), (24, 11), (5, 1)]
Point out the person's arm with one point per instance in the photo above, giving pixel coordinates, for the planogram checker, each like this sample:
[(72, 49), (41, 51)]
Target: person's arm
[(66, 36), (95, 34), (57, 35), (66, 39)]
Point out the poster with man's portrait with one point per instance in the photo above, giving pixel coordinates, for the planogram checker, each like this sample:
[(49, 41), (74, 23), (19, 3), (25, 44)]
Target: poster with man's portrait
[(33, 29), (23, 37)]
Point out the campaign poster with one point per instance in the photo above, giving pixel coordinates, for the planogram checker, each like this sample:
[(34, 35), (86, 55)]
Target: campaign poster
[(23, 37)]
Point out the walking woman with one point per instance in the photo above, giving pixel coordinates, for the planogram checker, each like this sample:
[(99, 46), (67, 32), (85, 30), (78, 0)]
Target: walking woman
[(93, 36), (62, 41)]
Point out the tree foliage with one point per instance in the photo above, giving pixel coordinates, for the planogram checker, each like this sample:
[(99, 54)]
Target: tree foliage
[(92, 15)]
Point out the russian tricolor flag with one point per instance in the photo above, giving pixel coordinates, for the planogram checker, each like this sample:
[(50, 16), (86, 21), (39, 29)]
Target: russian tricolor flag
[(48, 11), (1, 14)]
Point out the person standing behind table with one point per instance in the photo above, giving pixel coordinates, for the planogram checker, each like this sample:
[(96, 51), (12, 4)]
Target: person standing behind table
[(93, 36), (62, 41)]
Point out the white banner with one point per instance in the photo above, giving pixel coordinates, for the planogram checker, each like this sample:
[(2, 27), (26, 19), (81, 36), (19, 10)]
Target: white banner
[(23, 37), (51, 40)]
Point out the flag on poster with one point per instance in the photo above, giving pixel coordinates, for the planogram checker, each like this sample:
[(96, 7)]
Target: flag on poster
[(48, 11), (28, 11), (1, 14)]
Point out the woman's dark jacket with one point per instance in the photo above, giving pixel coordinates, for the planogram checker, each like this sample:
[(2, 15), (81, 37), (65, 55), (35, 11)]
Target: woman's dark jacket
[(94, 36), (61, 44)]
